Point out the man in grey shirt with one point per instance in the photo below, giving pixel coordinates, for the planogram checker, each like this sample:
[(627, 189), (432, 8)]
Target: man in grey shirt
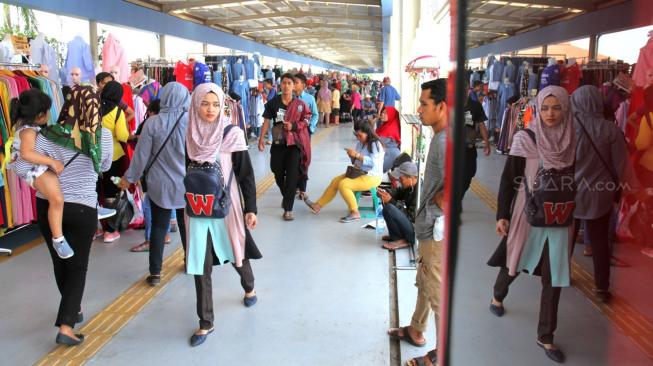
[(433, 113)]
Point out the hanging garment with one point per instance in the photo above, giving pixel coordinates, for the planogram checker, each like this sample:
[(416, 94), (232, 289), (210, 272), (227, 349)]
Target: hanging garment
[(184, 75), (550, 76), (250, 67), (237, 70), (79, 55), (6, 51), (506, 91), (242, 89), (491, 109), (510, 73), (644, 63), (42, 53), (570, 78), (201, 74), (113, 54)]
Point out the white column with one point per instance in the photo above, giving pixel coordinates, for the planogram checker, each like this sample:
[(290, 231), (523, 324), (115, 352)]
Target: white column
[(93, 41), (162, 45)]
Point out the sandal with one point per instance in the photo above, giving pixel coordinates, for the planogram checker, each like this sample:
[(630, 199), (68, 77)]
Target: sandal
[(386, 238), (402, 334), (394, 245), (431, 357), (143, 247)]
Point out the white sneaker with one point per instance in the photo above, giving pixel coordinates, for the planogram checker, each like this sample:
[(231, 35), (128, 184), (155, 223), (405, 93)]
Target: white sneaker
[(103, 212)]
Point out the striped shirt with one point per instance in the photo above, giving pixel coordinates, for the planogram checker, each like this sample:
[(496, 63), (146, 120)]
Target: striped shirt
[(78, 179)]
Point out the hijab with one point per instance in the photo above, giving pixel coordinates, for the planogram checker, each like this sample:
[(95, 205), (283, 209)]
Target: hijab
[(204, 139), (556, 146), (325, 93), (111, 96), (79, 125), (392, 127)]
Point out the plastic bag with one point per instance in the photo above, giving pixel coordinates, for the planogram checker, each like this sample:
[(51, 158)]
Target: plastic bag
[(139, 218), (124, 211), (438, 228)]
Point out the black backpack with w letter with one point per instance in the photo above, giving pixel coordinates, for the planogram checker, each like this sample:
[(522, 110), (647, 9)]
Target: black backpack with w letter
[(551, 202)]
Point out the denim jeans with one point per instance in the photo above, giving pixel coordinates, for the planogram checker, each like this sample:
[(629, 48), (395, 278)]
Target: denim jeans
[(147, 215)]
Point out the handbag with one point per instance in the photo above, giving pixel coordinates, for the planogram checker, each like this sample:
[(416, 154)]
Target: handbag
[(613, 175), (354, 172), (149, 166)]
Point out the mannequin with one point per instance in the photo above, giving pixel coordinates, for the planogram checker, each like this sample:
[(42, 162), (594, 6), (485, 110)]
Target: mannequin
[(550, 75), (75, 76), (509, 72), (45, 70), (115, 71)]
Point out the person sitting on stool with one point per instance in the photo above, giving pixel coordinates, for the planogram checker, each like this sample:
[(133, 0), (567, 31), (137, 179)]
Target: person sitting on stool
[(399, 207)]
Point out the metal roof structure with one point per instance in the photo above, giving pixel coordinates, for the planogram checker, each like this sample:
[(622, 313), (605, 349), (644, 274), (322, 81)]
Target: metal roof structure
[(343, 32), (493, 20)]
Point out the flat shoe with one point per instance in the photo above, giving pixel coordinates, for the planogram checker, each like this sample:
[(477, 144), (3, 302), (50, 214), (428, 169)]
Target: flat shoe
[(197, 339), (554, 354), (288, 216), (80, 318), (69, 341), (250, 301), (497, 310)]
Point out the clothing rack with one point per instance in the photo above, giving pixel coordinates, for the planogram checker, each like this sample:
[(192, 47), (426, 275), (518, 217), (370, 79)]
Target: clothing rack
[(19, 65)]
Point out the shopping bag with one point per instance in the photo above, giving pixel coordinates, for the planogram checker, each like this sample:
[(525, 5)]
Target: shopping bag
[(124, 207), (139, 218), (626, 212)]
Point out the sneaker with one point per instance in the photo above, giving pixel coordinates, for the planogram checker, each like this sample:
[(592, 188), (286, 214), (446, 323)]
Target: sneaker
[(288, 216), (63, 249), (349, 218), (111, 237), (103, 212)]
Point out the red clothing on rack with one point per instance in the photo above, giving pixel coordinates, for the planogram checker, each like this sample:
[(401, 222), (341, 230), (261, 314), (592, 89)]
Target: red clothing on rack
[(184, 75), (570, 78)]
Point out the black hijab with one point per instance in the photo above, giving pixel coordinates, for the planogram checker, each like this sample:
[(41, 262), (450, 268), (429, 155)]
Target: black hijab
[(111, 96)]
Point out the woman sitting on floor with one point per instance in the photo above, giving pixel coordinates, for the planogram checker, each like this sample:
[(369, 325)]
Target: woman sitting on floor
[(365, 174)]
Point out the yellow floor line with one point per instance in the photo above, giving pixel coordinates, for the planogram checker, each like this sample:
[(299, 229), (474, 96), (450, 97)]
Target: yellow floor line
[(623, 315), (108, 322)]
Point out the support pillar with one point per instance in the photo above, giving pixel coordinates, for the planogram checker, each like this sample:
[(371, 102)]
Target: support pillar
[(162, 46), (594, 47), (93, 41), (205, 48), (545, 50)]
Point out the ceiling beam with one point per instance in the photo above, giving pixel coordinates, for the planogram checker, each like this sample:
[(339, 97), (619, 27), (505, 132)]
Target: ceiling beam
[(311, 26), (569, 4), (522, 21), (181, 5), (322, 35), (376, 3), (289, 14), (489, 30)]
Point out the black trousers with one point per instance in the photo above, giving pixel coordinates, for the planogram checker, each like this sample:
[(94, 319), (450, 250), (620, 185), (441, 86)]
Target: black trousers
[(284, 163), (78, 224), (204, 286), (598, 231), (160, 222), (470, 168), (399, 226), (303, 181), (549, 299)]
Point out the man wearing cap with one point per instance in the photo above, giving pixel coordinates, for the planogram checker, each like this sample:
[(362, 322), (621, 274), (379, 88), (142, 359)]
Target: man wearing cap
[(399, 207), (387, 96)]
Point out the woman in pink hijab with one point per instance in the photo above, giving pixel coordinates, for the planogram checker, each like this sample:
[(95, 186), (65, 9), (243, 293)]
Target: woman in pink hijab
[(211, 241), (542, 251)]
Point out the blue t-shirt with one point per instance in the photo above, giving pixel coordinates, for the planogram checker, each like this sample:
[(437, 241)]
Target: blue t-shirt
[(388, 96), (201, 74)]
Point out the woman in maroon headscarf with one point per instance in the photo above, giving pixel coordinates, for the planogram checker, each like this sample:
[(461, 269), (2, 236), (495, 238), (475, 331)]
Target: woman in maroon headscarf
[(390, 133)]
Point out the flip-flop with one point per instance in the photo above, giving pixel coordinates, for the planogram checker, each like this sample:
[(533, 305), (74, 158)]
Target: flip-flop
[(419, 361), (394, 334), (394, 247)]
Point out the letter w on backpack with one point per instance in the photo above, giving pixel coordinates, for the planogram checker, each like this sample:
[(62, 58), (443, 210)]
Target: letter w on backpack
[(557, 213), (201, 204)]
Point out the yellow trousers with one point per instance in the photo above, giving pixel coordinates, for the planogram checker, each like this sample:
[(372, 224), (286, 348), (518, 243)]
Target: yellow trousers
[(347, 187)]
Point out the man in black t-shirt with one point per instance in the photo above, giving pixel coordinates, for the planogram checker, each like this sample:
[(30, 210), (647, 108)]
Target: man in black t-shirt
[(474, 117), (285, 159)]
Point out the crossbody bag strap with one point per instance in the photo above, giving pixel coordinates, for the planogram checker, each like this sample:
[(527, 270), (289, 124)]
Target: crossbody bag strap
[(596, 150), (147, 169)]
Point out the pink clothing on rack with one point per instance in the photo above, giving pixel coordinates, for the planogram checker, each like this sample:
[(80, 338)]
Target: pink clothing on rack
[(114, 55), (644, 63)]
